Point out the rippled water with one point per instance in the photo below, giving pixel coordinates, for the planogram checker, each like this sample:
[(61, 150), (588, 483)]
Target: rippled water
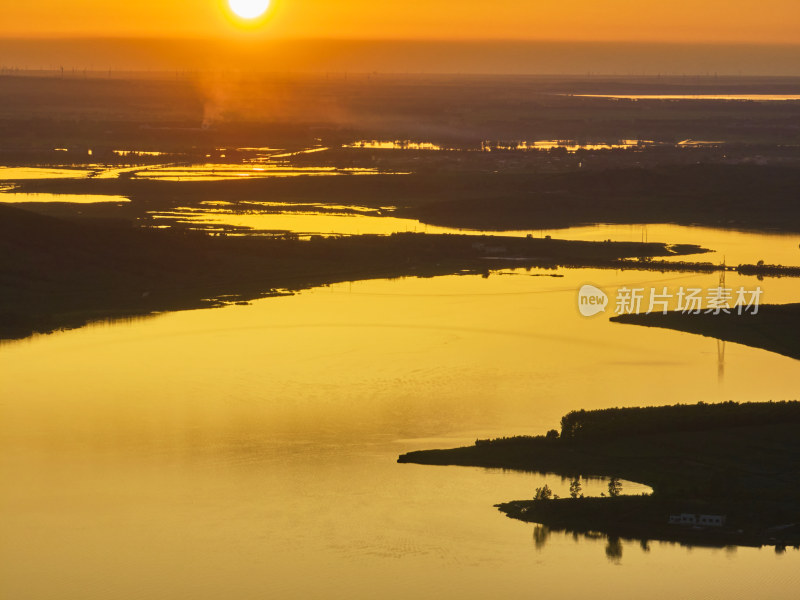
[(249, 451)]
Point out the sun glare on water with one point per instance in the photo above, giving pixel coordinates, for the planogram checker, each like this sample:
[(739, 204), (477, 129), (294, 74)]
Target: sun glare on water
[(249, 9)]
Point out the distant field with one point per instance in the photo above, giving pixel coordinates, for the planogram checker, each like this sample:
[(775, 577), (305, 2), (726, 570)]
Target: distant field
[(226, 109)]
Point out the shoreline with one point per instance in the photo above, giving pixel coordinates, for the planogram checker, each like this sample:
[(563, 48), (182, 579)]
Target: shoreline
[(62, 274), (57, 273), (696, 458)]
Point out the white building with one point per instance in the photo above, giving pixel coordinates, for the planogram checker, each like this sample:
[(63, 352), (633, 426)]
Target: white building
[(701, 520), (712, 520)]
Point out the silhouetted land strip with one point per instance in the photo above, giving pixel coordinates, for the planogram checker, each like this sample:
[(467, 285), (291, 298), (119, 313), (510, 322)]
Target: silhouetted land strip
[(744, 196), (775, 327), (737, 460), (664, 266), (56, 273), (711, 195)]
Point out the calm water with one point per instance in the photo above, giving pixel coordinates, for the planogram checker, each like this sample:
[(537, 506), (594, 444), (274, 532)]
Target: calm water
[(223, 172), (39, 198), (27, 173), (249, 451), (304, 223), (170, 172)]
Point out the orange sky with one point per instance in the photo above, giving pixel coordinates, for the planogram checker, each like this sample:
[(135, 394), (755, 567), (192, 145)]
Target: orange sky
[(766, 21)]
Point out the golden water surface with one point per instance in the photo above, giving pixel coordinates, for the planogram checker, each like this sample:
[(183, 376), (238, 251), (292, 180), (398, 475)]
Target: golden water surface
[(250, 451)]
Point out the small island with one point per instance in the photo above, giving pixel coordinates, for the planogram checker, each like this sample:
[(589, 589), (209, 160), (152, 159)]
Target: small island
[(721, 474)]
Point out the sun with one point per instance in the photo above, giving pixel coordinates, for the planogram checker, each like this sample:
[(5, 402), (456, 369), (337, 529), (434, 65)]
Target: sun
[(249, 9)]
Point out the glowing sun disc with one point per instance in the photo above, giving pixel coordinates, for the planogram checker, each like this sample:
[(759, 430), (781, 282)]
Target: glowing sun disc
[(249, 9)]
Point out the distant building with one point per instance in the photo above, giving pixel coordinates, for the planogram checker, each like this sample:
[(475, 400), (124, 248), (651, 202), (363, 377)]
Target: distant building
[(712, 520), (701, 520)]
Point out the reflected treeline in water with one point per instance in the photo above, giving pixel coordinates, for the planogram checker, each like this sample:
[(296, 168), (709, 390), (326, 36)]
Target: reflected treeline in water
[(614, 549), (541, 533), (615, 546), (15, 327)]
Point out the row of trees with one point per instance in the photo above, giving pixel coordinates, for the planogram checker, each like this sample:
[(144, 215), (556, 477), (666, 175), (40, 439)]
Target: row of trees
[(575, 489), (615, 422), (611, 423)]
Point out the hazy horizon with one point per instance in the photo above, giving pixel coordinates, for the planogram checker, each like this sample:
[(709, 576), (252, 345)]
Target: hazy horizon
[(320, 55)]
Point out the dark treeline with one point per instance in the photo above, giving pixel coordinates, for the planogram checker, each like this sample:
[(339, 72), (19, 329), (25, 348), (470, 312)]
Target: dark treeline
[(715, 195), (732, 454), (615, 422), (611, 423)]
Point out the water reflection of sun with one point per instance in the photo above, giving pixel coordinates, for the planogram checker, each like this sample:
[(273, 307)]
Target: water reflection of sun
[(249, 9)]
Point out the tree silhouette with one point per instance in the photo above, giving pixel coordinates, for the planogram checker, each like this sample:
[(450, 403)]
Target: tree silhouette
[(575, 488), (543, 493), (614, 487)]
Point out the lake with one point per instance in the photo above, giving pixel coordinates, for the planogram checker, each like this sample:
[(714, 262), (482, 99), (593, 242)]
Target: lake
[(250, 451)]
